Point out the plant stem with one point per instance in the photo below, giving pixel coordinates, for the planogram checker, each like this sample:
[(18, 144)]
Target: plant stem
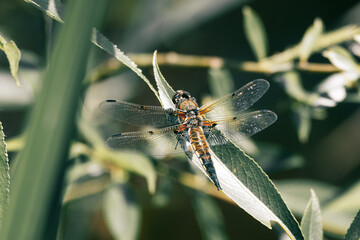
[(279, 62)]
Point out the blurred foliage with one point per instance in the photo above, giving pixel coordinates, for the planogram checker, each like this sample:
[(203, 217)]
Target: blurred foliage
[(4, 176), (13, 55), (311, 220), (314, 83)]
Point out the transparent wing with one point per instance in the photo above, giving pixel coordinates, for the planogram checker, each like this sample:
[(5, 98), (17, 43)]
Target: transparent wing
[(237, 101), (138, 115), (240, 127), (154, 143)]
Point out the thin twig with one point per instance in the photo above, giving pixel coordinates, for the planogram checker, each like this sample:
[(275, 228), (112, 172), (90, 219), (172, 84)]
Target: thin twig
[(283, 61)]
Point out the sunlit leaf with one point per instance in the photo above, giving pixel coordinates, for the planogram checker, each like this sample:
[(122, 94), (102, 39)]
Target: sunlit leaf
[(309, 40), (209, 217), (13, 55), (246, 184), (220, 82), (53, 8), (121, 212), (255, 33), (341, 58), (311, 220), (293, 86), (4, 176), (353, 232), (335, 84), (102, 42), (165, 90)]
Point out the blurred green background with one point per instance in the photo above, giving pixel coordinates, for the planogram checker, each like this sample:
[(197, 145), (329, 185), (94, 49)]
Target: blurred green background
[(204, 27)]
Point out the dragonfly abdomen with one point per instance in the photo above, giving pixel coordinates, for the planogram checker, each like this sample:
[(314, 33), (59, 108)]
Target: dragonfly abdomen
[(201, 148)]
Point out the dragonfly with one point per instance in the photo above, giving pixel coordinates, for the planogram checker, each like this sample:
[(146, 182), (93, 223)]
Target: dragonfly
[(189, 128)]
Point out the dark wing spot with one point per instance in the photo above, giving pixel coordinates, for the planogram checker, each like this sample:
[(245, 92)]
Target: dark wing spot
[(233, 94), (110, 100), (142, 107), (116, 135), (151, 132), (234, 118), (214, 124)]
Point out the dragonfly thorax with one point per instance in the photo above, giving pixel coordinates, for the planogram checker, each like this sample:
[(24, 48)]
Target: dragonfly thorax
[(181, 96)]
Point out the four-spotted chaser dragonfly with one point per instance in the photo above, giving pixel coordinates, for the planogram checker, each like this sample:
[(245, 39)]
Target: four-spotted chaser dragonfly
[(190, 124)]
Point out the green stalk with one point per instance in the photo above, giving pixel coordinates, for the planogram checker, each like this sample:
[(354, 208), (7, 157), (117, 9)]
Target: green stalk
[(35, 200)]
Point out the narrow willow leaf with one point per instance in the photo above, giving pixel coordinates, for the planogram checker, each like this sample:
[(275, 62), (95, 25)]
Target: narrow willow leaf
[(36, 190), (341, 58), (53, 8), (246, 184), (13, 55), (220, 82), (309, 40), (255, 33), (209, 217), (131, 162), (293, 86), (353, 232), (4, 176), (135, 163), (303, 122), (121, 212), (102, 42), (311, 220), (165, 90)]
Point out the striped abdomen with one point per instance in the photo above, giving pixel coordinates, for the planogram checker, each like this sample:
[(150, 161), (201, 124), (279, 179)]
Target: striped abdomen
[(201, 148)]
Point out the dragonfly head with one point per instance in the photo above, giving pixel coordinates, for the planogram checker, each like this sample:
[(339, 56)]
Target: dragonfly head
[(181, 96)]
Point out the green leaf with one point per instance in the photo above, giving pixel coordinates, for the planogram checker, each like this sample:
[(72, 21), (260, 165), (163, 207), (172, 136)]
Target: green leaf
[(341, 58), (220, 82), (209, 217), (53, 8), (13, 55), (303, 121), (246, 184), (310, 39), (255, 33), (311, 220), (131, 162), (165, 90), (4, 176), (37, 184), (102, 42), (353, 232), (293, 86), (121, 212)]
